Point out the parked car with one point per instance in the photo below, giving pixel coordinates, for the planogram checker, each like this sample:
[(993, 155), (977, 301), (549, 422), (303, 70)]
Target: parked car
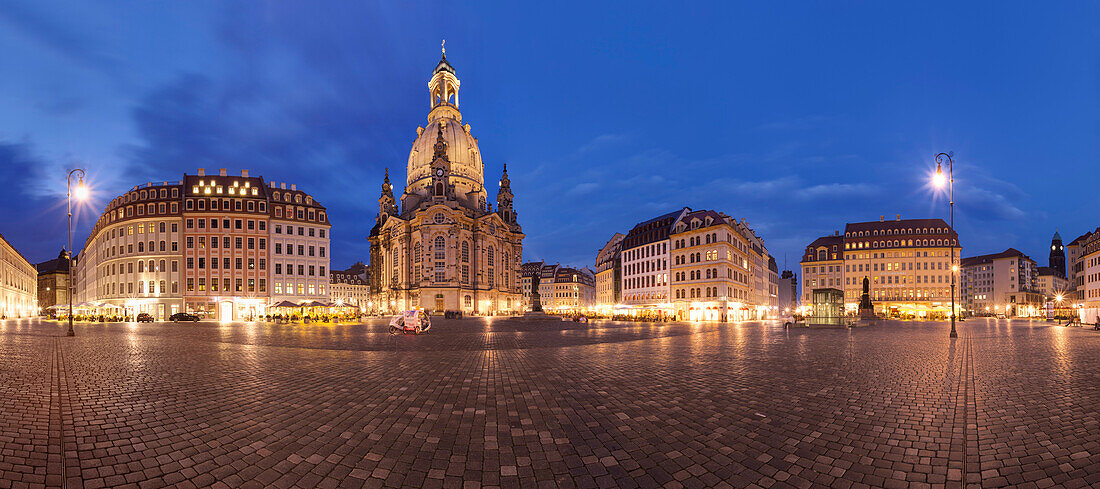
[(144, 318), (183, 316)]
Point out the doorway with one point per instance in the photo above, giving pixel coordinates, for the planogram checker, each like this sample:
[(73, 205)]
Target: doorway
[(225, 311)]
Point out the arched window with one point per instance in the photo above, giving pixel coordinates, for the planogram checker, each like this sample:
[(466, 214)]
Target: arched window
[(489, 255), (465, 252), (440, 248)]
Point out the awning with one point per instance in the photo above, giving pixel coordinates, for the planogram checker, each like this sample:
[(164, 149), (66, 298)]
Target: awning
[(285, 304)]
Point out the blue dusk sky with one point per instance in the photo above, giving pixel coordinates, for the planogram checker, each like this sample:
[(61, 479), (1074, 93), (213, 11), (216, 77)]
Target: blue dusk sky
[(798, 117)]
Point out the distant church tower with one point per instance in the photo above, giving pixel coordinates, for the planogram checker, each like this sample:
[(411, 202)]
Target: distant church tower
[(1057, 255)]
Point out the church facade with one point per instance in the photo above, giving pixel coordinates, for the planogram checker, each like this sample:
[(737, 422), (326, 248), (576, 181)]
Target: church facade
[(443, 247)]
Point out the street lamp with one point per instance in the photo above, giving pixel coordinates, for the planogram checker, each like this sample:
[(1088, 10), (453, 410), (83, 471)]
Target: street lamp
[(81, 194), (938, 180)]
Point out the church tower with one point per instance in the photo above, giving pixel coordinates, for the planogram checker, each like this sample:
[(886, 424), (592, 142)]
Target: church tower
[(504, 199), (1057, 255), (387, 205)]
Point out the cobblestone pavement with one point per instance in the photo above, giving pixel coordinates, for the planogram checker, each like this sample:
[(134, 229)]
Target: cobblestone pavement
[(501, 403)]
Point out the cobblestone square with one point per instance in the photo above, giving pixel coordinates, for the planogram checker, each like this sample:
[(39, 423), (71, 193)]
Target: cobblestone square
[(482, 403)]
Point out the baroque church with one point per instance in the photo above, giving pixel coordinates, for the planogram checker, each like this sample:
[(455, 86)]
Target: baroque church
[(445, 248)]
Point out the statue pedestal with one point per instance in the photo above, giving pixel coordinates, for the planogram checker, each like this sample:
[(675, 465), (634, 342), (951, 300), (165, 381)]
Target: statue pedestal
[(866, 314)]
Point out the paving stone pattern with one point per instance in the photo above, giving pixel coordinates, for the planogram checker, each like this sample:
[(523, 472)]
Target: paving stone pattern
[(500, 403)]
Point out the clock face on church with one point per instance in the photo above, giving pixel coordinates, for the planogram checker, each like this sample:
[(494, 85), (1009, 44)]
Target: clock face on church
[(439, 172)]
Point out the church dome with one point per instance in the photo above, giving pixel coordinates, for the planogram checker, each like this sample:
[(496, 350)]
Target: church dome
[(462, 152)]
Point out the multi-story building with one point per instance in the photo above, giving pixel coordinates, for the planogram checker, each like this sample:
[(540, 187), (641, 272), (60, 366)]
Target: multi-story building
[(53, 281), (19, 289), (446, 249), (788, 292), (1001, 283), (645, 264), (132, 260), (773, 288), (351, 287), (300, 241), (1053, 286), (1089, 259), (547, 273), (823, 266), (572, 289), (907, 262), (200, 244), (609, 278), (713, 264), (1075, 271)]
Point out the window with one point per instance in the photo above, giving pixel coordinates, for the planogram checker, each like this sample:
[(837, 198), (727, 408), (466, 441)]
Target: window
[(465, 252), (440, 248)]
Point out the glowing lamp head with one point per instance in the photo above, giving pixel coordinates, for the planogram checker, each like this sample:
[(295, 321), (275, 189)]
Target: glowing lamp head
[(81, 190), (1058, 297), (939, 179)]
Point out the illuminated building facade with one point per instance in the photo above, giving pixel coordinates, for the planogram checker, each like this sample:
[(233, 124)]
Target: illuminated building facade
[(823, 266), (132, 260), (907, 263), (299, 247), (645, 264), (446, 249), (1001, 283), (1089, 290), (53, 281), (609, 278), (351, 287), (199, 245), (19, 288), (717, 272), (1075, 268), (1053, 286), (569, 289)]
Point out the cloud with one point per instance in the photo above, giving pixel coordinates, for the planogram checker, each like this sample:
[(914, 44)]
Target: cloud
[(988, 205), (836, 190), (600, 142), (583, 188)]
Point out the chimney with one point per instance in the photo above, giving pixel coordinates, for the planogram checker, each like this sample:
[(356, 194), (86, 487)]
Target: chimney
[(202, 172), (282, 185), (244, 173), (293, 186), (899, 217), (271, 184), (882, 218), (836, 233), (223, 172)]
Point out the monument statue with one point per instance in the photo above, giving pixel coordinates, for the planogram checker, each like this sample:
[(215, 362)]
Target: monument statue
[(536, 300), (866, 309)]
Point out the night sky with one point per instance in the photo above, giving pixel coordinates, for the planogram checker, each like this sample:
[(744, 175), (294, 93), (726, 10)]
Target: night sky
[(798, 119)]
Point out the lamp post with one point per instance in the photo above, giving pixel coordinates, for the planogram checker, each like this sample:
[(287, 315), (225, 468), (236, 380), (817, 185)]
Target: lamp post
[(81, 193), (939, 181)]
